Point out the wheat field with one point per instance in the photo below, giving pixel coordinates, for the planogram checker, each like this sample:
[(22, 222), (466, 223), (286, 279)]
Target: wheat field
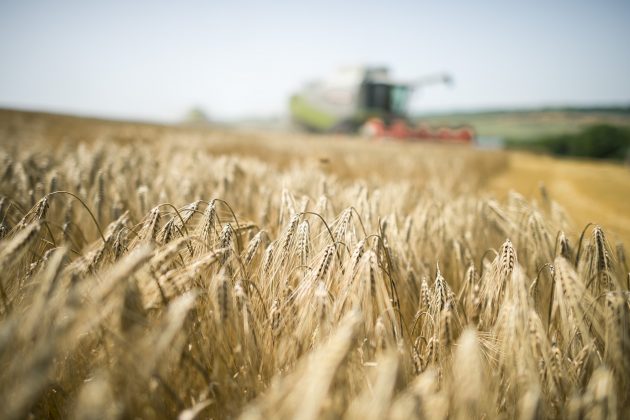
[(150, 272)]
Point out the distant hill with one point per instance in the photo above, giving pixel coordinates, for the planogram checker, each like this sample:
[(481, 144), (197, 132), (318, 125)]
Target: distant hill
[(527, 124)]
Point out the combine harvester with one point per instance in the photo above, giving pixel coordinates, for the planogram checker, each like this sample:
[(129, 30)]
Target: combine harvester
[(367, 100)]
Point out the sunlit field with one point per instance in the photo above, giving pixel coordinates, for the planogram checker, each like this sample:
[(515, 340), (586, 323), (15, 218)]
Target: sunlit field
[(159, 272)]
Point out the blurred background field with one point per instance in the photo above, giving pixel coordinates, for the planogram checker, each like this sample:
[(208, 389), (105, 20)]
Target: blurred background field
[(523, 125), (594, 191)]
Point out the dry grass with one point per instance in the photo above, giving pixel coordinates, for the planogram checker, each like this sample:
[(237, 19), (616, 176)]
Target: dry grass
[(218, 275)]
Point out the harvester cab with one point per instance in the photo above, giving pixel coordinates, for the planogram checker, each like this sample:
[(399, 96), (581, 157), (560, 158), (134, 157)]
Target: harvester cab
[(364, 99)]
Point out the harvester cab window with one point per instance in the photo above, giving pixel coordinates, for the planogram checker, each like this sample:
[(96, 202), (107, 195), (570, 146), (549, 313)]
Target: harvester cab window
[(389, 99), (377, 97), (398, 97)]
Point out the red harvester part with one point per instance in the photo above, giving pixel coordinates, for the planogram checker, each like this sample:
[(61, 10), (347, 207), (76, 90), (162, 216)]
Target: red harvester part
[(400, 130)]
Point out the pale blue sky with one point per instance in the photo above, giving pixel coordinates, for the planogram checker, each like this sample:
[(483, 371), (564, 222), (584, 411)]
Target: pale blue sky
[(154, 60)]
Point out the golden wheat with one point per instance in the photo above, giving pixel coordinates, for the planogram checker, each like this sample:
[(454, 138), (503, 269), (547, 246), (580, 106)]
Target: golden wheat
[(182, 277)]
